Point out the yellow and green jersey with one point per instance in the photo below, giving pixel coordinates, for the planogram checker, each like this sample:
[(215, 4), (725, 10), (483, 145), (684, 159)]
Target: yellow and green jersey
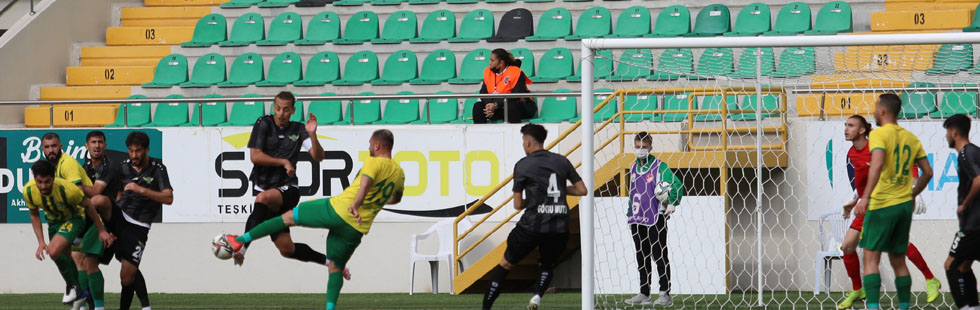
[(64, 202), (387, 179), (70, 170), (902, 149)]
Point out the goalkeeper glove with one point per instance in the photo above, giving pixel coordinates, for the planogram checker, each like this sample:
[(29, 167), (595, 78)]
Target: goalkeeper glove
[(920, 206), (669, 209)]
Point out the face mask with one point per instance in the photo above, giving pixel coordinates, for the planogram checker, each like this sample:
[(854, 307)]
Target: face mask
[(641, 153)]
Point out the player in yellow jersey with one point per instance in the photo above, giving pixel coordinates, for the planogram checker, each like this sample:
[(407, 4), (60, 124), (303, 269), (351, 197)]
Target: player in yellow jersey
[(888, 199), (348, 216), (65, 209)]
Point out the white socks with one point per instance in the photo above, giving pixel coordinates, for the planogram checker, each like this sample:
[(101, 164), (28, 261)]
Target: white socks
[(536, 299)]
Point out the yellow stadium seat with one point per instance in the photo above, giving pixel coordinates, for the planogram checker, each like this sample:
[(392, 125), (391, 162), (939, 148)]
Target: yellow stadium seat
[(885, 58), (108, 75), (836, 104), (85, 92), (68, 115), (148, 35), (163, 16), (857, 80), (928, 6), (123, 55), (920, 20), (182, 2)]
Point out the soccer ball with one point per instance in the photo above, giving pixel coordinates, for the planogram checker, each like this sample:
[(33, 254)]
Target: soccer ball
[(220, 247), (662, 192)]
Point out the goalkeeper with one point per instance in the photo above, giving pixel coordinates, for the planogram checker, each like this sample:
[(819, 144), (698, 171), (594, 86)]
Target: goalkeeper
[(648, 221)]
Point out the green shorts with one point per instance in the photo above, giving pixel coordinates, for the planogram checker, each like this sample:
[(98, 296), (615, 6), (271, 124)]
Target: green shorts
[(70, 229), (90, 242), (887, 229), (342, 238)]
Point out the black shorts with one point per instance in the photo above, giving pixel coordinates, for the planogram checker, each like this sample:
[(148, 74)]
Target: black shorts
[(130, 241), (521, 242), (966, 246), (111, 227), (290, 199)]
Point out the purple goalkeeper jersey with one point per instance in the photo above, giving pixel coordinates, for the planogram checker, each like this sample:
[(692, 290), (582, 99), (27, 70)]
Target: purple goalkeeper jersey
[(644, 205)]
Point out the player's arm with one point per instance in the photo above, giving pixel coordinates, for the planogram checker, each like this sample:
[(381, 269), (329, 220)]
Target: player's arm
[(874, 172), (518, 201), (96, 189), (924, 177), (395, 198), (261, 158), (165, 196), (38, 233), (676, 192), (314, 147), (366, 183), (93, 214), (577, 189)]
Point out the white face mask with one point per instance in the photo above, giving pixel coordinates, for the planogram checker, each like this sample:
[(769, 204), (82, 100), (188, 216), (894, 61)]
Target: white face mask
[(641, 153)]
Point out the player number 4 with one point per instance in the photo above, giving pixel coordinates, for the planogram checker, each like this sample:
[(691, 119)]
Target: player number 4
[(553, 191)]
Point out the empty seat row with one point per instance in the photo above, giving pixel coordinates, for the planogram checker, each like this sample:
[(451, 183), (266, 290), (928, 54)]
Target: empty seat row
[(917, 102), (317, 3)]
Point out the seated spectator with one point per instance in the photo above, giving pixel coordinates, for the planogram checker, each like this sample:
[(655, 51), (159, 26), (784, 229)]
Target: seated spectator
[(504, 76)]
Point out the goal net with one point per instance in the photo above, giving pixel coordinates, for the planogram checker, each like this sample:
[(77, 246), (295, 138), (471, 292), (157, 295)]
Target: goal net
[(752, 130)]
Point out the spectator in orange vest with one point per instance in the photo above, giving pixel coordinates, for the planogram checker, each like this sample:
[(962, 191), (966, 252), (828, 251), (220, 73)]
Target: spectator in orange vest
[(504, 76)]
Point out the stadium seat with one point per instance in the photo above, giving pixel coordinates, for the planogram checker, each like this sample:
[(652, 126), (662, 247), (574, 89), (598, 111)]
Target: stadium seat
[(350, 2), (133, 115), (245, 71), (169, 114), (833, 18), (952, 58), (606, 112), (602, 66), (793, 18), (640, 102), (554, 24), (360, 28), (170, 71), (753, 19), (515, 25), (556, 64), (401, 67), (424, 1), (748, 66), (675, 103), (634, 22), (438, 26), (595, 22), (284, 29), (214, 113), (715, 103), (298, 116), (957, 102), (673, 64), (276, 3), (365, 111), (916, 103), (975, 25), (878, 58), (538, 1), (476, 25), (313, 3), (471, 70), (210, 30), (245, 113), (500, 1), (673, 21), (795, 62), (285, 69), (557, 109), (713, 20), (248, 29), (360, 68), (633, 64), (466, 117), (400, 111), (323, 28), (322, 69), (327, 112), (749, 102), (714, 62), (399, 27), (208, 71), (234, 4), (438, 67), (387, 2), (527, 60), (439, 111), (462, 1)]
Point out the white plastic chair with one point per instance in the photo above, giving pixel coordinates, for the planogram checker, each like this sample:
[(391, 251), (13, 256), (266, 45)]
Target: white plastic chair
[(444, 230), (831, 228)]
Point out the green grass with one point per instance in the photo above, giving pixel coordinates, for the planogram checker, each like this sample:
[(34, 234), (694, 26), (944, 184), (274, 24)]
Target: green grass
[(773, 300)]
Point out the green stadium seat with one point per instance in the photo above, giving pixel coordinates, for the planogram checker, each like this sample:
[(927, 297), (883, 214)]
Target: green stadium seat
[(438, 26), (673, 21), (556, 64), (634, 22), (476, 25), (439, 111), (793, 18), (208, 71), (399, 27), (235, 4), (538, 1), (975, 25), (438, 67), (245, 71), (554, 24), (673, 64), (607, 111), (322, 69), (299, 116), (285, 69), (500, 1), (833, 18), (248, 29), (360, 68), (595, 22), (754, 19), (526, 58), (138, 114), (214, 113), (602, 67), (327, 112), (467, 116), (210, 30), (400, 111), (170, 71), (245, 113), (642, 102), (713, 20), (714, 62), (350, 2), (916, 103), (675, 103), (284, 29), (365, 111), (749, 102), (748, 66), (957, 102), (557, 109), (387, 2), (471, 70), (276, 3), (633, 64), (952, 58), (576, 0), (323, 28), (796, 62), (401, 67), (360, 28), (462, 1), (715, 103), (424, 1), (169, 114)]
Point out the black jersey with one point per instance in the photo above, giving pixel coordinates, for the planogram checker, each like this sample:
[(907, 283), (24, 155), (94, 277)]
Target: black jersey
[(138, 207), (108, 172), (279, 143), (969, 167), (543, 177)]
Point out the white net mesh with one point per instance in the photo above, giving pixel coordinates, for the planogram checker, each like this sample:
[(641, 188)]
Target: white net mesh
[(727, 238)]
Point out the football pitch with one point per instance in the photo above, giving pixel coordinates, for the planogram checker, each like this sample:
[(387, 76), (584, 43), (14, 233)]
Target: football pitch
[(774, 300)]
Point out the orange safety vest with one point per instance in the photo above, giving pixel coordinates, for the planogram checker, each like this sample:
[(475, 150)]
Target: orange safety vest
[(502, 83)]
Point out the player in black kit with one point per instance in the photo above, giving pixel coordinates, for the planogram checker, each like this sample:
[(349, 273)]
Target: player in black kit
[(966, 243), (540, 186)]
